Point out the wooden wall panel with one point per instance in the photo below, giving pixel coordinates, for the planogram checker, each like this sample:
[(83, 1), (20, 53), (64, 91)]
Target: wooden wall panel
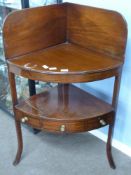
[(97, 29), (34, 29)]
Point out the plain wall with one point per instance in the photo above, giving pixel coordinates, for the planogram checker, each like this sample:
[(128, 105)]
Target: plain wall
[(103, 89)]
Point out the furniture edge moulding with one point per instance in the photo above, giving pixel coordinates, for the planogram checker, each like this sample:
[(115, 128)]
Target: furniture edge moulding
[(64, 77)]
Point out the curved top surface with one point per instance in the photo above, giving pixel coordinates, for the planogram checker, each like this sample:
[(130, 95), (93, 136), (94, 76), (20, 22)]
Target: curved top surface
[(66, 59)]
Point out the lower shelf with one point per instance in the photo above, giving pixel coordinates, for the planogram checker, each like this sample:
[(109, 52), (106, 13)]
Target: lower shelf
[(65, 108)]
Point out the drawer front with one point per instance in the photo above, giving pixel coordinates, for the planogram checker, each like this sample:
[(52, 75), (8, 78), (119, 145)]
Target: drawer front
[(33, 122), (99, 122), (59, 126), (76, 126), (69, 126)]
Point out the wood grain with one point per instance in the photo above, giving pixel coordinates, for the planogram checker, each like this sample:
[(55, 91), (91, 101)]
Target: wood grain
[(33, 29), (97, 29), (78, 110), (82, 64), (88, 42)]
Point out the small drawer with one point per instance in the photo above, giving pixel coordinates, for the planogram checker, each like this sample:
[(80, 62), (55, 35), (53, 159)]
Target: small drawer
[(76, 126), (99, 122), (61, 127), (66, 126), (33, 122)]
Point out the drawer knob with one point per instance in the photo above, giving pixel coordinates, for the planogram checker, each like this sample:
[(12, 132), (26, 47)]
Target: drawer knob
[(102, 122), (24, 119), (62, 128)]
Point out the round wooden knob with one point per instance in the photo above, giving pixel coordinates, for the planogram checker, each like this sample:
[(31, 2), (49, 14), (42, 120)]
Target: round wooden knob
[(24, 119), (62, 128), (102, 122)]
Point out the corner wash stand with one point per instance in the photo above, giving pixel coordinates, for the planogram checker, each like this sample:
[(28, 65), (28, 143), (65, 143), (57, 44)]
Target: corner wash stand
[(65, 44)]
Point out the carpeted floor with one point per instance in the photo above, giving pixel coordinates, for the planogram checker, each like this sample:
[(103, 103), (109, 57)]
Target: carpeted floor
[(50, 154)]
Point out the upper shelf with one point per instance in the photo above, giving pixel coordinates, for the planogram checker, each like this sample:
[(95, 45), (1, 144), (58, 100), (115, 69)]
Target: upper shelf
[(64, 60), (65, 43)]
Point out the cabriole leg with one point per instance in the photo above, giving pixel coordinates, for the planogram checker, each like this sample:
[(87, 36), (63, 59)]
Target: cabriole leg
[(111, 126), (17, 123), (20, 142), (108, 147)]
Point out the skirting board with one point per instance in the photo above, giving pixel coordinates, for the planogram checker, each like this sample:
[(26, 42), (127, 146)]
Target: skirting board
[(115, 143)]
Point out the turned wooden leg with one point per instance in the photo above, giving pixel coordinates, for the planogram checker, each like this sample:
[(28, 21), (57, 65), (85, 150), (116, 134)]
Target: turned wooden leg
[(20, 142), (108, 147)]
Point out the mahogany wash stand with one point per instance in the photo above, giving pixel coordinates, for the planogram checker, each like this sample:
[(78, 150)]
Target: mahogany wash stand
[(65, 44)]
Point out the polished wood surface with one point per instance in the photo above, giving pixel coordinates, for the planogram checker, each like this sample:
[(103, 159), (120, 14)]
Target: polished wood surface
[(25, 33), (76, 59), (91, 46), (71, 57), (75, 105), (77, 110), (65, 43), (98, 29), (64, 77)]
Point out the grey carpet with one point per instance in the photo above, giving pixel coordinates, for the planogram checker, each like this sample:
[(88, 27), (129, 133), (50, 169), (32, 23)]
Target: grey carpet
[(51, 154)]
